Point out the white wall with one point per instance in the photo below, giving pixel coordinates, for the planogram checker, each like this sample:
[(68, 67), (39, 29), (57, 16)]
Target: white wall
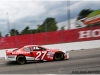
[(68, 46), (76, 45), (2, 52)]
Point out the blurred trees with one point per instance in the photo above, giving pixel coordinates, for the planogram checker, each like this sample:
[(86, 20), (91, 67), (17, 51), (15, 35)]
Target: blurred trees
[(84, 13), (62, 28), (14, 32), (25, 30), (49, 24)]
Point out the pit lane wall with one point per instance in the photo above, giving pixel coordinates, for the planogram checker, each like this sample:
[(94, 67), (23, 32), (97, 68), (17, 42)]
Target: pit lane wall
[(67, 46)]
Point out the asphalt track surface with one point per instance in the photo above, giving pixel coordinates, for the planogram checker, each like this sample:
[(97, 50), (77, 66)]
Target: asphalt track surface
[(81, 61)]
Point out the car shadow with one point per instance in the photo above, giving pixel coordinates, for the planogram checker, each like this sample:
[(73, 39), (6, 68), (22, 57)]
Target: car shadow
[(11, 63)]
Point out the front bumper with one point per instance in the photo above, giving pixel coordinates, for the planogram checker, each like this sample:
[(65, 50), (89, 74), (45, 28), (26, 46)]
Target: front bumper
[(10, 58), (66, 55)]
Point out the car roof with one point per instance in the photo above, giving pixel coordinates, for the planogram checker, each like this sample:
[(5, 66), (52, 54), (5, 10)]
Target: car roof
[(31, 45)]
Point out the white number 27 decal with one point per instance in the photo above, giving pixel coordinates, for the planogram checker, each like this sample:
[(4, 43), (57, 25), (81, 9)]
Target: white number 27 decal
[(39, 53)]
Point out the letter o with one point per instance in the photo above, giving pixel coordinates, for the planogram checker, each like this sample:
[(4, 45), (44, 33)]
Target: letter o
[(96, 33)]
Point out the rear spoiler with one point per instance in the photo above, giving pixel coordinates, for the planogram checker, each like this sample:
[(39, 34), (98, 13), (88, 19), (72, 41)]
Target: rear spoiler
[(12, 49)]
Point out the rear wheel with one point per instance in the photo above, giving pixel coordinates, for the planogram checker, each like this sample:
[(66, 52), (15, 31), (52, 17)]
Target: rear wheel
[(21, 59), (58, 56)]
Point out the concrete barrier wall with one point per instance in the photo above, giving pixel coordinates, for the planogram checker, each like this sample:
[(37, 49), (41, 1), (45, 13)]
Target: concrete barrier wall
[(2, 52), (76, 45), (68, 46)]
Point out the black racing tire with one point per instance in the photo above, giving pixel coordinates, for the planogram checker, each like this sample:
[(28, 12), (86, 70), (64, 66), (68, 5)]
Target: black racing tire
[(58, 56), (21, 59)]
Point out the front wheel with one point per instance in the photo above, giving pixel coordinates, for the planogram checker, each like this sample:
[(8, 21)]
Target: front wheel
[(21, 59), (58, 56)]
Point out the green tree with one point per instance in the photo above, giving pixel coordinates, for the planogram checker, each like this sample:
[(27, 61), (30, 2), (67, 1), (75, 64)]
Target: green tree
[(6, 35), (40, 28), (14, 32), (25, 30), (32, 31), (62, 28), (48, 25), (84, 13)]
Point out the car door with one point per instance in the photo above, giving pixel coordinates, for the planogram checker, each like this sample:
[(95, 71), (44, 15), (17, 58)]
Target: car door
[(44, 53), (39, 53)]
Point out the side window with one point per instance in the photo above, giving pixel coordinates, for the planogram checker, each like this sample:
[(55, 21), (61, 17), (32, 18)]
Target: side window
[(33, 48), (27, 49), (38, 48), (41, 48)]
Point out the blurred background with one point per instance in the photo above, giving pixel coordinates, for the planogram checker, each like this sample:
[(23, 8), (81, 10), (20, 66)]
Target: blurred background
[(28, 22)]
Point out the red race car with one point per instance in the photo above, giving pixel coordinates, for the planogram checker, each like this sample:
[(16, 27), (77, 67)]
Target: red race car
[(35, 53)]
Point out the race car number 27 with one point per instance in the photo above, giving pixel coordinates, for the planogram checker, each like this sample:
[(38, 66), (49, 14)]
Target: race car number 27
[(39, 53)]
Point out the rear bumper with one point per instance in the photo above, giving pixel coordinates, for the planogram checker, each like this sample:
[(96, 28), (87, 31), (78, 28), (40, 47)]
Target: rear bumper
[(10, 58)]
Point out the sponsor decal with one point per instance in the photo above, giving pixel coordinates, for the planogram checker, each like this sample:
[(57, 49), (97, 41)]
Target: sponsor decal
[(39, 54), (50, 54), (20, 52), (11, 56), (89, 33)]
